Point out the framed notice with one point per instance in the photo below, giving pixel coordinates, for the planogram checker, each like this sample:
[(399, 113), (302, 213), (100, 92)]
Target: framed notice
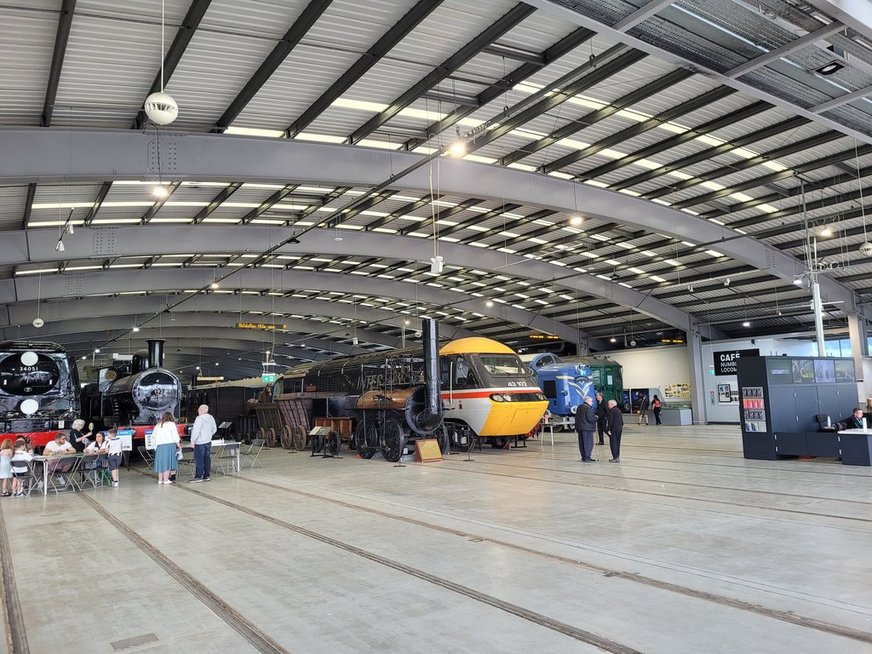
[(724, 395), (824, 371), (149, 438), (126, 436), (803, 371), (844, 370)]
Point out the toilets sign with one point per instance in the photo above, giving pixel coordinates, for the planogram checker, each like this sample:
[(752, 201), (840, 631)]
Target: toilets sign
[(727, 363)]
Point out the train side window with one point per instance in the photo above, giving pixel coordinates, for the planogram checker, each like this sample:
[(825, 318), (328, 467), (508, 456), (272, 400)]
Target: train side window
[(464, 377)]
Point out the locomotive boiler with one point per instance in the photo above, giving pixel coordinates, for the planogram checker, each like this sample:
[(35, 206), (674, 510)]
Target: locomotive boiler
[(139, 395), (38, 390)]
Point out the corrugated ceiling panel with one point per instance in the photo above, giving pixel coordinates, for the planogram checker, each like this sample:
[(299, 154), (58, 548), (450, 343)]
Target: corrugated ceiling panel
[(12, 200), (26, 47)]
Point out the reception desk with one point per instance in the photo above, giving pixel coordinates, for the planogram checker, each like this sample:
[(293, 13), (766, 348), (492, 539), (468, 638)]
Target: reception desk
[(856, 447)]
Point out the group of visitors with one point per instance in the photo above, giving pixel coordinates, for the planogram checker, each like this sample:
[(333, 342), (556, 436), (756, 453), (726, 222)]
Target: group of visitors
[(608, 420), (14, 457)]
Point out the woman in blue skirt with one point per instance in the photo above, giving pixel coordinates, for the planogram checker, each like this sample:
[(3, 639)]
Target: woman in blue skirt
[(167, 446)]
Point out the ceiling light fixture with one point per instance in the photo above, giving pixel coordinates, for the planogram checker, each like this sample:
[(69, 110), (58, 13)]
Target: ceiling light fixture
[(576, 220), (830, 68), (214, 285), (613, 340), (160, 107), (727, 281), (457, 149), (160, 192), (746, 324), (489, 303), (136, 329)]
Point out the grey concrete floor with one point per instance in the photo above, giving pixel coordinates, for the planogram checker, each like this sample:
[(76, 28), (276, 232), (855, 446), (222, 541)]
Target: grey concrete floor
[(684, 547)]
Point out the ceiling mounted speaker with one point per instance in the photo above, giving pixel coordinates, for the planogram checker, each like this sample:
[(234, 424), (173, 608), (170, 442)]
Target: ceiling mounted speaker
[(161, 108), (866, 249), (38, 322)]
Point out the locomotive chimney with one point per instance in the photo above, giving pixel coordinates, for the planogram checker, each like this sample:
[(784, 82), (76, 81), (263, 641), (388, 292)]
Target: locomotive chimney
[(431, 417), (155, 352)]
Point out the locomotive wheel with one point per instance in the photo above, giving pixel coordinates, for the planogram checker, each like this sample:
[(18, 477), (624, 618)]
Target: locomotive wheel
[(394, 439), (365, 439), (444, 439), (499, 443), (288, 437), (270, 437)]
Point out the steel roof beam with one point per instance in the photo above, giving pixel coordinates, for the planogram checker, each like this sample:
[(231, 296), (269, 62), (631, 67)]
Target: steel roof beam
[(549, 55), (138, 307), (593, 117), (370, 58), (705, 155), (98, 202), (274, 59), (497, 29), (641, 14), (28, 205), (713, 125), (217, 201), (267, 204), (777, 53), (560, 12), (90, 154), (183, 37), (65, 21), (842, 100), (159, 280), (590, 73), (640, 128), (158, 205)]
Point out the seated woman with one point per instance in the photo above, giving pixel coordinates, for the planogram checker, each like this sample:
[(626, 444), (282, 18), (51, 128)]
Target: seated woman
[(98, 445)]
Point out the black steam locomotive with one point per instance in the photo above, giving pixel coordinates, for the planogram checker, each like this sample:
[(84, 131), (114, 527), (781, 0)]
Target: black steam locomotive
[(38, 390), (135, 393)]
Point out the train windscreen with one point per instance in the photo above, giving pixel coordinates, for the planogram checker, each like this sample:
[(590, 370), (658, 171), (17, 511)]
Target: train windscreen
[(504, 364)]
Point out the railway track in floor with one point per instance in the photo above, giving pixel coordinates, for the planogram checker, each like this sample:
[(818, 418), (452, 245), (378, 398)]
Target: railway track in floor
[(588, 473), (650, 493), (602, 642), (244, 627), (16, 633), (783, 616)]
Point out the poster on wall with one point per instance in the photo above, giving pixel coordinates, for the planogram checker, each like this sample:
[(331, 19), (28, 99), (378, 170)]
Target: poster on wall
[(727, 361), (724, 394), (824, 371), (844, 370), (676, 392), (803, 371)]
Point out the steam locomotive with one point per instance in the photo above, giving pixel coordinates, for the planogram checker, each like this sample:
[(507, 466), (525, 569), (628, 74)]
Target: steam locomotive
[(470, 388), (135, 394), (38, 390)]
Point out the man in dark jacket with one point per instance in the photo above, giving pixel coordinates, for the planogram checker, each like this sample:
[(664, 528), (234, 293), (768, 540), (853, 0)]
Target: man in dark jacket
[(585, 422), (616, 427), (601, 412)]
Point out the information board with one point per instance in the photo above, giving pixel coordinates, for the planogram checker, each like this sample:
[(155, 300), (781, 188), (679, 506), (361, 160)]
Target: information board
[(727, 361)]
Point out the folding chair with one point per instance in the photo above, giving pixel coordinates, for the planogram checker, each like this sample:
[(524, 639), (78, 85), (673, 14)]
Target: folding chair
[(62, 473), (227, 458), (147, 457), (186, 462), (91, 470), (249, 457), (32, 478)]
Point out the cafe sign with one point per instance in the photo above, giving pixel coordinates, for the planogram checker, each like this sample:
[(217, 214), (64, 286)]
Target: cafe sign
[(727, 362)]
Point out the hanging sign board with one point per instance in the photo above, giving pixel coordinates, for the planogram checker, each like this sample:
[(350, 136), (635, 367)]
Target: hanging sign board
[(727, 362), (269, 377), (265, 326)]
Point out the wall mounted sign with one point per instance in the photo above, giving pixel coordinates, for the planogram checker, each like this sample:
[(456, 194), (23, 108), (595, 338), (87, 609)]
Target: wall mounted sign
[(727, 362)]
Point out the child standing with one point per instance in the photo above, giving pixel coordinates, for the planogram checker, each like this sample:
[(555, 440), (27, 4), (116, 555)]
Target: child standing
[(113, 449), (6, 453), (19, 466)]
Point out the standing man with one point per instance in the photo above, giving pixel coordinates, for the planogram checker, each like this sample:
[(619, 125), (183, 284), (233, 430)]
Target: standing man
[(602, 413), (644, 405), (616, 427), (201, 438), (585, 422)]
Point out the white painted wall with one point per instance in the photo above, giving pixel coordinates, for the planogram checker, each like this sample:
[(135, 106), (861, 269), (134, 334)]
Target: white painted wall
[(653, 367)]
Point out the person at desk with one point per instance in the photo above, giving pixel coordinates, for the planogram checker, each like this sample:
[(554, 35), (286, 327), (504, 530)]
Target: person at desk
[(78, 439), (98, 445), (201, 439), (856, 420), (58, 446)]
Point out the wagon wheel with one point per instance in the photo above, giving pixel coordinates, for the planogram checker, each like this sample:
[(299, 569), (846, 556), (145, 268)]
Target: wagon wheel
[(270, 437), (261, 433), (317, 444), (300, 437), (365, 439), (394, 439), (287, 435), (334, 443)]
